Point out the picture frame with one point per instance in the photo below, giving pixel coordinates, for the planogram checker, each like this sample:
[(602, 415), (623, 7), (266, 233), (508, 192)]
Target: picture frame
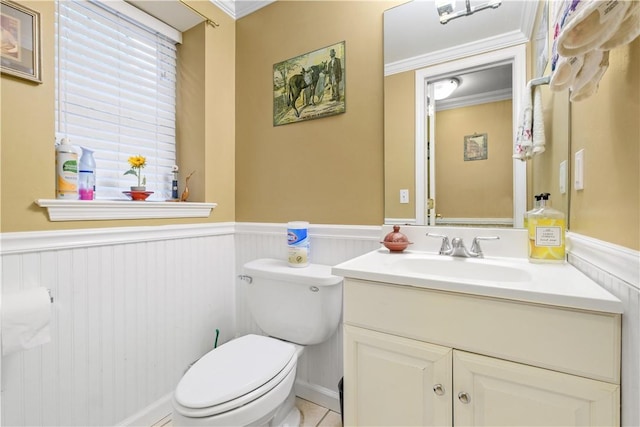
[(310, 86), (475, 147), (20, 54)]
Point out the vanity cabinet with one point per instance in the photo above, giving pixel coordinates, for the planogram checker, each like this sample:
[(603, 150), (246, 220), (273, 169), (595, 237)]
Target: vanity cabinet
[(415, 356)]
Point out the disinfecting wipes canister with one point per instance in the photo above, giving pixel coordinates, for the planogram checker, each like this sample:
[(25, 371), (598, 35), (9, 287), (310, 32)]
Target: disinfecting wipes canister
[(298, 243)]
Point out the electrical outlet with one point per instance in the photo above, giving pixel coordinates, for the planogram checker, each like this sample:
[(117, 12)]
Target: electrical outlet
[(404, 196)]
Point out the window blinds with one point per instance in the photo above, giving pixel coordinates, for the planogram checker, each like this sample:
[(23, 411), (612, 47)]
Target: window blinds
[(115, 94)]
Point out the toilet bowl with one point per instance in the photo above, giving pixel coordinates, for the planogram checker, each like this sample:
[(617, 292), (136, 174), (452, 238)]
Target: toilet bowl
[(249, 380), (240, 383)]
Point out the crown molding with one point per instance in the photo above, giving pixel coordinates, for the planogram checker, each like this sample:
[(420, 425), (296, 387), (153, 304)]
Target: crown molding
[(467, 101), (477, 47), (238, 9)]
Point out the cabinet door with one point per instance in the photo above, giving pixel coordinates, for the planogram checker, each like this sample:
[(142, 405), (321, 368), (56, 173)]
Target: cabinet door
[(494, 392), (395, 381)]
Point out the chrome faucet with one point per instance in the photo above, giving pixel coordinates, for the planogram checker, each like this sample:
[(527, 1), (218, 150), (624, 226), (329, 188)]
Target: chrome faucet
[(457, 248)]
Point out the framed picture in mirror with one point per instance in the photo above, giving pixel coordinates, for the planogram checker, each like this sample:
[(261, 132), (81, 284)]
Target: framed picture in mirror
[(475, 147), (20, 51)]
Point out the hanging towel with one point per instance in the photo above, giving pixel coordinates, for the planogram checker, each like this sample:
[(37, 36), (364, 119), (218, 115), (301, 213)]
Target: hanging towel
[(563, 69), (565, 72), (538, 122), (524, 136), (629, 28), (589, 24), (588, 79), (530, 138)]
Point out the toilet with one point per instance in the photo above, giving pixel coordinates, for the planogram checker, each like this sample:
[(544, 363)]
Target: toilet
[(249, 380)]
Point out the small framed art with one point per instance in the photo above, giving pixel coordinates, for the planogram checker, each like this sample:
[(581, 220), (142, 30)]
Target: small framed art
[(20, 51)]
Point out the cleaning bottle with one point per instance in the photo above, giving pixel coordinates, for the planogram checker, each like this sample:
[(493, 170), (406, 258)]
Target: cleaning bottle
[(87, 176), (546, 234), (66, 171)]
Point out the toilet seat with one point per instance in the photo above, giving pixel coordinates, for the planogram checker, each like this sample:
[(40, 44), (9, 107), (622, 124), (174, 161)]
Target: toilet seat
[(233, 375)]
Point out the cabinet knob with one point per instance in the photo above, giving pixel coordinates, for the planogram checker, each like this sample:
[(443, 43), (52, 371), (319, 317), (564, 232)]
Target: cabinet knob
[(438, 389), (464, 397)]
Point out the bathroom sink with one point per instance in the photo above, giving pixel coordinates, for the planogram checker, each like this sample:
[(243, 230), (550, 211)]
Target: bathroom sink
[(460, 269), (500, 277)]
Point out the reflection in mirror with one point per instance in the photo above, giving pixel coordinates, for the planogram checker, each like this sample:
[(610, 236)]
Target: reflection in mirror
[(472, 141), (429, 150), (458, 187)]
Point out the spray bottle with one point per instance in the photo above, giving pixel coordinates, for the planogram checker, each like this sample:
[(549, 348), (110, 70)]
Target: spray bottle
[(66, 171), (87, 176)]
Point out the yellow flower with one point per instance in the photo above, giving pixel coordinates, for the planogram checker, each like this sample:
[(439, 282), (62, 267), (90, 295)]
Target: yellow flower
[(137, 163)]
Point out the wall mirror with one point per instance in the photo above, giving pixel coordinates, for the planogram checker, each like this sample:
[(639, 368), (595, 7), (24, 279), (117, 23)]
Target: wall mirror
[(485, 189)]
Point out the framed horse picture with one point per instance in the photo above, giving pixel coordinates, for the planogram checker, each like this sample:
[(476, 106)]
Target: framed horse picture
[(310, 86)]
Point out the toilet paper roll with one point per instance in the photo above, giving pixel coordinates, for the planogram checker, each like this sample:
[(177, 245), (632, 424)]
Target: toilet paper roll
[(26, 316)]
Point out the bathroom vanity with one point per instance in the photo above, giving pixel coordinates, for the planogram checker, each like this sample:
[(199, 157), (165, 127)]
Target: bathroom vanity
[(537, 346)]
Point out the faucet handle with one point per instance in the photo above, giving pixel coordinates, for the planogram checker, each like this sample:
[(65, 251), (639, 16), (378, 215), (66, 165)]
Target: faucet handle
[(475, 245), (446, 246)]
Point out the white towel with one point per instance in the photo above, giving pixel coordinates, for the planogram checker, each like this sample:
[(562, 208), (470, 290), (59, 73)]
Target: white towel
[(530, 135), (629, 28), (589, 24), (563, 69), (524, 136), (595, 64), (565, 72), (538, 122)]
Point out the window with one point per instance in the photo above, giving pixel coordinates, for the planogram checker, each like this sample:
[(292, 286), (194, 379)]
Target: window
[(116, 92)]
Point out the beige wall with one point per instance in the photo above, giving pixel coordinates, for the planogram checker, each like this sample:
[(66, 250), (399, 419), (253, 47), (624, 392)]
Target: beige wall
[(399, 144), (461, 186), (328, 170), (607, 127), (27, 119), (205, 113)]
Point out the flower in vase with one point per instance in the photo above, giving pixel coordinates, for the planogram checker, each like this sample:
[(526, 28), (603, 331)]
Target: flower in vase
[(137, 164)]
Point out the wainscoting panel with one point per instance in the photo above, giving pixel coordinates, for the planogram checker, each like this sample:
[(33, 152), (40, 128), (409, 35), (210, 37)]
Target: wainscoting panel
[(617, 270), (320, 368), (129, 316)]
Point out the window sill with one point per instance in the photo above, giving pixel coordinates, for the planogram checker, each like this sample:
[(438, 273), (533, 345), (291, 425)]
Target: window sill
[(94, 210)]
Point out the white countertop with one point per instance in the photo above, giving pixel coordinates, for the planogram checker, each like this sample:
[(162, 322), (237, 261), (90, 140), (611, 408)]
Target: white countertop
[(552, 284)]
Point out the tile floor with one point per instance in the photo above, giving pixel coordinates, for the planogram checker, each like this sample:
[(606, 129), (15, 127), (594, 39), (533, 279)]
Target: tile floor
[(312, 416)]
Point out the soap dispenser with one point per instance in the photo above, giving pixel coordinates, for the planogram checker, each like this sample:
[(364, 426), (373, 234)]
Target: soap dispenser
[(546, 231)]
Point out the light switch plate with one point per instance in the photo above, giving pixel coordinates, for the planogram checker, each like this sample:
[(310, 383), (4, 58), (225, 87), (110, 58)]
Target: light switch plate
[(563, 177), (404, 196), (579, 170)]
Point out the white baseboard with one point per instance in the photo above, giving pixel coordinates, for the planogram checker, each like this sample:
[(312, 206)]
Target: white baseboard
[(318, 395), (150, 415)]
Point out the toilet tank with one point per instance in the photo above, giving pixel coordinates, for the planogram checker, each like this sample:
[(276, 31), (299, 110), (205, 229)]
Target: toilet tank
[(302, 305)]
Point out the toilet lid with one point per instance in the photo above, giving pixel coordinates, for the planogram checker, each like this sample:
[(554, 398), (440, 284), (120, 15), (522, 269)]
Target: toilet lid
[(232, 370)]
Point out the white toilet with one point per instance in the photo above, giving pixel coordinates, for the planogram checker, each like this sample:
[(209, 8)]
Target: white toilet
[(249, 380)]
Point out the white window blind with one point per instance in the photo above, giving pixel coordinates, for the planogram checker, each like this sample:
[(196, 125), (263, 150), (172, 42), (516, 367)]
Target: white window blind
[(115, 94)]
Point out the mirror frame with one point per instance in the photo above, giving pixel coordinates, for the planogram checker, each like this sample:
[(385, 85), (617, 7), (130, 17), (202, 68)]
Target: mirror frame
[(516, 55)]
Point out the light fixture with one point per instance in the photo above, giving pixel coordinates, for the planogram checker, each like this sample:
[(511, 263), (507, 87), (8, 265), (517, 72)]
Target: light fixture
[(444, 88), (446, 9)]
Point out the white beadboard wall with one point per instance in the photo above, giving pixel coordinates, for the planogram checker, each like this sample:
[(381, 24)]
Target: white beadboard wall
[(135, 306), (617, 269), (320, 367)]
